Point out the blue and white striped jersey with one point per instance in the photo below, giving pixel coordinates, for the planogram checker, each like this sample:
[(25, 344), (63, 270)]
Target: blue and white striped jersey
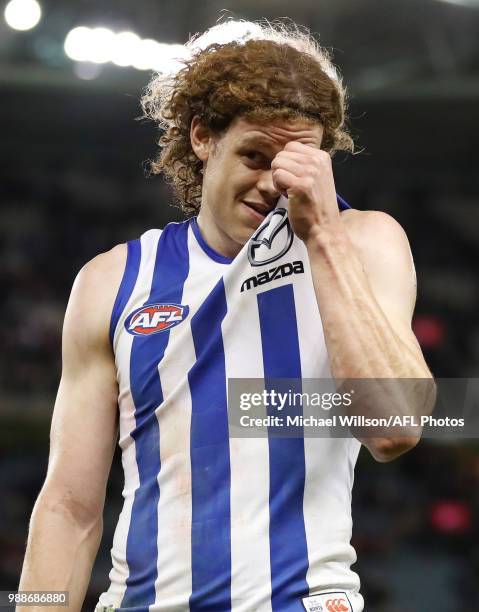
[(211, 522)]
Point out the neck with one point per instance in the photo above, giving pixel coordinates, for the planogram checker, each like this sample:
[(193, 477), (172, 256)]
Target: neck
[(215, 237)]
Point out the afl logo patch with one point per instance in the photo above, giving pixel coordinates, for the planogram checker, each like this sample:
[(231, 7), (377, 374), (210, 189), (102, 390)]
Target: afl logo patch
[(155, 318), (272, 240)]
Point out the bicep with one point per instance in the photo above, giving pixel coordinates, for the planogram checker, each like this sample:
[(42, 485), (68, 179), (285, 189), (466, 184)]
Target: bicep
[(386, 257)]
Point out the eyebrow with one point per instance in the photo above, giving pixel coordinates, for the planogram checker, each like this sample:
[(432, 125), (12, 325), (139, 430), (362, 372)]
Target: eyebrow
[(256, 140), (259, 140)]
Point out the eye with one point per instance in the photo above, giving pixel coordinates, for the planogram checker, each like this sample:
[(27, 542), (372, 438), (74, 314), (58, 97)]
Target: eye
[(255, 158), (253, 155)]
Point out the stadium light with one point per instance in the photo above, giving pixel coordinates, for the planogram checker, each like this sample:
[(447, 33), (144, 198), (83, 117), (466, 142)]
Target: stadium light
[(168, 58), (101, 45), (101, 41), (467, 3), (22, 14), (77, 44), (125, 49), (146, 51)]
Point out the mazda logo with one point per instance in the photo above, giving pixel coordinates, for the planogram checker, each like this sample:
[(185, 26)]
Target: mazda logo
[(271, 240)]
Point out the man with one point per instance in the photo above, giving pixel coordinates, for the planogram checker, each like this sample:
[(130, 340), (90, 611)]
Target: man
[(212, 522)]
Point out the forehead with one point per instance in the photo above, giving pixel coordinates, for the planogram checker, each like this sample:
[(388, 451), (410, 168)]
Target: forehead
[(276, 134)]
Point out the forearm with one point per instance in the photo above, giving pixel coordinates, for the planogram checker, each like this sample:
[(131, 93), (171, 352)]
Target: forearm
[(360, 340), (60, 554), (362, 344)]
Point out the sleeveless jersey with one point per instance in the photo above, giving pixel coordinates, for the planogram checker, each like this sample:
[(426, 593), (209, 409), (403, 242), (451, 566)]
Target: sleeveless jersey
[(211, 522)]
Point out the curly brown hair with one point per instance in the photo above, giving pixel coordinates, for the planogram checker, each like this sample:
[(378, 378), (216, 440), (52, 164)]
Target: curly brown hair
[(284, 74)]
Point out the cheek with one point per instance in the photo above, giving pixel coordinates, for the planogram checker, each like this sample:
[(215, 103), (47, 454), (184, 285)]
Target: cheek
[(243, 178)]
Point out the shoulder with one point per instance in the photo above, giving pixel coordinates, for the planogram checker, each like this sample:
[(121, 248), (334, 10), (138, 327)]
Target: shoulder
[(376, 234), (382, 248), (93, 294), (362, 225), (101, 276)]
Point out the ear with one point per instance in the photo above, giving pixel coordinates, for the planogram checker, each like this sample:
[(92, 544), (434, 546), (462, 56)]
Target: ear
[(200, 138)]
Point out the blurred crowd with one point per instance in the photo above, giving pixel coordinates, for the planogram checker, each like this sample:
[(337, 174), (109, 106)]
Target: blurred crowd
[(72, 185), (415, 520), (415, 529), (51, 225), (56, 221)]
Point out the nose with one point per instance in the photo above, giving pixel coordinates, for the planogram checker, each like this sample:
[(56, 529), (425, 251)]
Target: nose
[(267, 188)]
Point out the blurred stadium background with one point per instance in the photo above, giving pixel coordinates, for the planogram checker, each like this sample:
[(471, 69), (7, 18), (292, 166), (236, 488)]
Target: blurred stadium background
[(73, 184)]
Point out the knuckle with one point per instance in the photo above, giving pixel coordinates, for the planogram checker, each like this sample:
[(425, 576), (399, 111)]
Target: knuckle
[(324, 156), (308, 182)]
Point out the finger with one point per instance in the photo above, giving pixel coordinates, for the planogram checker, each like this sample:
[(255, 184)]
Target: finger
[(283, 180), (294, 166), (317, 157), (299, 158), (309, 153), (300, 147)]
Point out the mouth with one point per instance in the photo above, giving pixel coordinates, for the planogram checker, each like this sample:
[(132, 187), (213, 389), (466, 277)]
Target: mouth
[(259, 211)]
